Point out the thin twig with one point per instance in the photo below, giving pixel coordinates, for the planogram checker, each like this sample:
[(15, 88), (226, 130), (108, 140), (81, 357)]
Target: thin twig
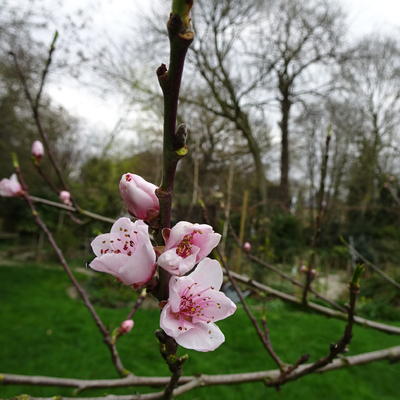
[(394, 330), (46, 178), (138, 304), (46, 70), (318, 219), (337, 348), (35, 105), (373, 266), (282, 274), (62, 206)]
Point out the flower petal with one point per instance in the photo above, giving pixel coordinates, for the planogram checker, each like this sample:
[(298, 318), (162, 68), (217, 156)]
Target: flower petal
[(176, 264), (177, 233), (202, 337), (216, 306), (177, 287), (110, 263), (121, 224), (172, 323), (208, 274), (103, 242), (207, 242), (140, 267)]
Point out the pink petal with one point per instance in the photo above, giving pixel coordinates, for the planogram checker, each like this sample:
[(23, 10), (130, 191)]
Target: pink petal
[(177, 233), (172, 324), (207, 242), (10, 187), (122, 223), (110, 263), (177, 287), (102, 242), (175, 264), (208, 274), (148, 188), (217, 306), (14, 179), (202, 337), (140, 267)]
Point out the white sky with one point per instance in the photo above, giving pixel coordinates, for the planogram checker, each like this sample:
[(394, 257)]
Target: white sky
[(365, 16)]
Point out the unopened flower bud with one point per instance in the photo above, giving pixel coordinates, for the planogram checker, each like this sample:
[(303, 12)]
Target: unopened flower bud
[(126, 326), (313, 273), (303, 269), (37, 150), (10, 187), (65, 197), (139, 196), (247, 247)]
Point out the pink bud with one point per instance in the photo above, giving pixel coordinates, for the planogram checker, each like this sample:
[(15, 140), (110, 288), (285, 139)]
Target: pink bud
[(139, 196), (37, 149), (126, 326), (303, 269), (313, 273), (10, 187), (65, 197), (247, 247)]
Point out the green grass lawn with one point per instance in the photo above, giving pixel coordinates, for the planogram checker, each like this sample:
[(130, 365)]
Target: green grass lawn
[(45, 332)]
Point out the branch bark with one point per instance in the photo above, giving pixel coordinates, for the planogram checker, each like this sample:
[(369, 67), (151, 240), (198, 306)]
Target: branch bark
[(394, 330), (392, 354)]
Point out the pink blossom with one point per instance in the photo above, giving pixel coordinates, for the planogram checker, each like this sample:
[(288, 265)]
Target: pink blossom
[(313, 273), (126, 253), (139, 196), (126, 326), (194, 305), (186, 245), (10, 187), (303, 269), (247, 246), (37, 149), (65, 197)]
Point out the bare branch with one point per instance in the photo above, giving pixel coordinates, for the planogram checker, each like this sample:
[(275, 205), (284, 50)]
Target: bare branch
[(394, 330), (282, 274), (373, 266), (391, 354)]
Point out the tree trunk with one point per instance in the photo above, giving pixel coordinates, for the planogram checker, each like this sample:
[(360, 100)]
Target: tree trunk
[(243, 124), (284, 189)]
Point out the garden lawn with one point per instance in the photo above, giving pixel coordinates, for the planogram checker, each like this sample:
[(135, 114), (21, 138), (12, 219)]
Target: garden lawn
[(45, 332)]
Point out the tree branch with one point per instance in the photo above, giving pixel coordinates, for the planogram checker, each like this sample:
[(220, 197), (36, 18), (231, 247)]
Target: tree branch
[(282, 274), (392, 354), (337, 348), (394, 330), (35, 105)]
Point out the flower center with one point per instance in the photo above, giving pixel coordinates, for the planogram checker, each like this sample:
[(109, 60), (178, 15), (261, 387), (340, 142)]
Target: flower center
[(184, 248)]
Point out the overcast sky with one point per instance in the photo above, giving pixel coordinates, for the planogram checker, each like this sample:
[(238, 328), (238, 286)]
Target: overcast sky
[(365, 16)]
